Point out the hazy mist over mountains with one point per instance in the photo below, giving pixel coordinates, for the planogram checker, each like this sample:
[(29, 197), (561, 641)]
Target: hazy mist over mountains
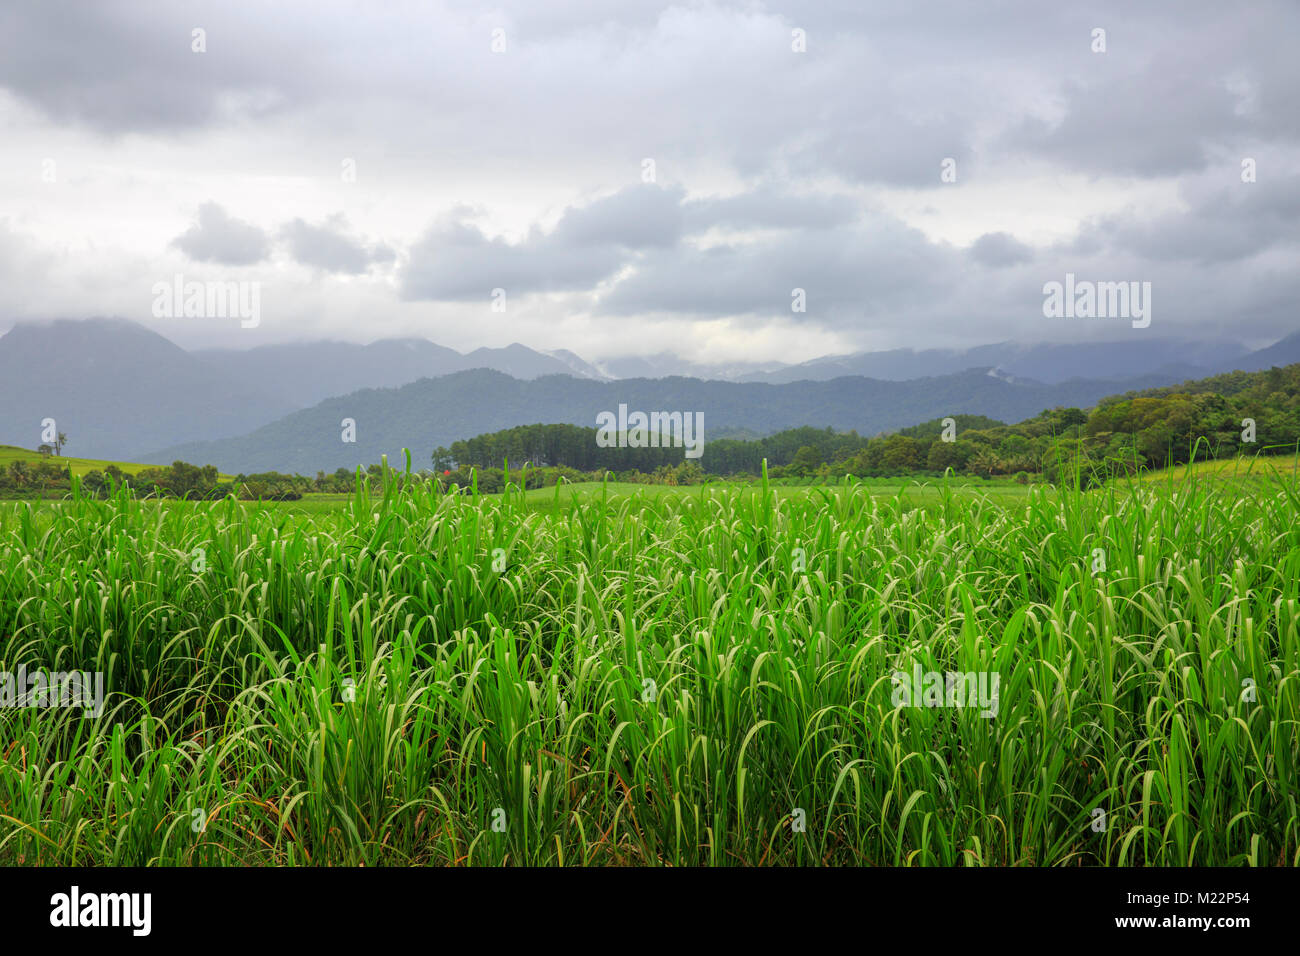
[(122, 391)]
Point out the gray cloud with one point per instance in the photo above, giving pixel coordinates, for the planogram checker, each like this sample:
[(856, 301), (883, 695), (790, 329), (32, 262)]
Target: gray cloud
[(788, 157), (216, 237), (122, 67), (636, 217), (455, 261), (330, 248), (849, 274), (767, 208), (998, 249), (1225, 220), (1154, 106), (882, 95), (637, 254), (640, 225)]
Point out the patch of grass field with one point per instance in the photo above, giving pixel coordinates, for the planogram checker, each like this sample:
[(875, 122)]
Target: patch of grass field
[(79, 466), (1260, 470), (666, 678), (556, 500)]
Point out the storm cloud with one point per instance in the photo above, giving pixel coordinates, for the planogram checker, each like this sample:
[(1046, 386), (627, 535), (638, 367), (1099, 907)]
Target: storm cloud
[(645, 171)]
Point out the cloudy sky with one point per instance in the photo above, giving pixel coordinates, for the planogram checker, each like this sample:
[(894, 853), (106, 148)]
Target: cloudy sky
[(640, 177)]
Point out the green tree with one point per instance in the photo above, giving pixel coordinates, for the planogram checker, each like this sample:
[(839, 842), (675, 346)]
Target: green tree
[(689, 473), (946, 454), (985, 462), (901, 453), (805, 461)]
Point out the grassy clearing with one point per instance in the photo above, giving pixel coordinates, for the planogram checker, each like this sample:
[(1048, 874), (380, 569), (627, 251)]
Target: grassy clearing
[(658, 685), (1261, 471), (10, 453)]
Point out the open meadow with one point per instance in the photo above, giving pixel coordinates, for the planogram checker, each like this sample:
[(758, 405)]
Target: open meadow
[(664, 676), (78, 466)]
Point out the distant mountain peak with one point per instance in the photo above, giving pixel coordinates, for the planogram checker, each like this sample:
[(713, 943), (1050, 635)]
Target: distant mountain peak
[(122, 390)]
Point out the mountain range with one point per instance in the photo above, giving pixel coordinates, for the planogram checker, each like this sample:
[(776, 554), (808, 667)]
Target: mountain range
[(303, 374), (437, 411), (1041, 363), (121, 391), (1038, 362)]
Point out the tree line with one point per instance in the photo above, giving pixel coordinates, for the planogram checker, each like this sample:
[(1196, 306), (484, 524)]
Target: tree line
[(1240, 412), (1217, 417)]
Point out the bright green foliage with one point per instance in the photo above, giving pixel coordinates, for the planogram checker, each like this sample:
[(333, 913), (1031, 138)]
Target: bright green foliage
[(658, 679)]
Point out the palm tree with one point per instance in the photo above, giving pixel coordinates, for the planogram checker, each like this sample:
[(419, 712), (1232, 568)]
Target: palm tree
[(985, 462), (18, 472), (60, 442)]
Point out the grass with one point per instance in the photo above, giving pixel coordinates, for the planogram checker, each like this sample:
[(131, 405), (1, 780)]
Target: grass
[(913, 492), (79, 466), (659, 678), (1260, 471)]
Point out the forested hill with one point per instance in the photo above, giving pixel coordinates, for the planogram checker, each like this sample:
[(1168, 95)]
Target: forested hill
[(1255, 413), (432, 412)]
